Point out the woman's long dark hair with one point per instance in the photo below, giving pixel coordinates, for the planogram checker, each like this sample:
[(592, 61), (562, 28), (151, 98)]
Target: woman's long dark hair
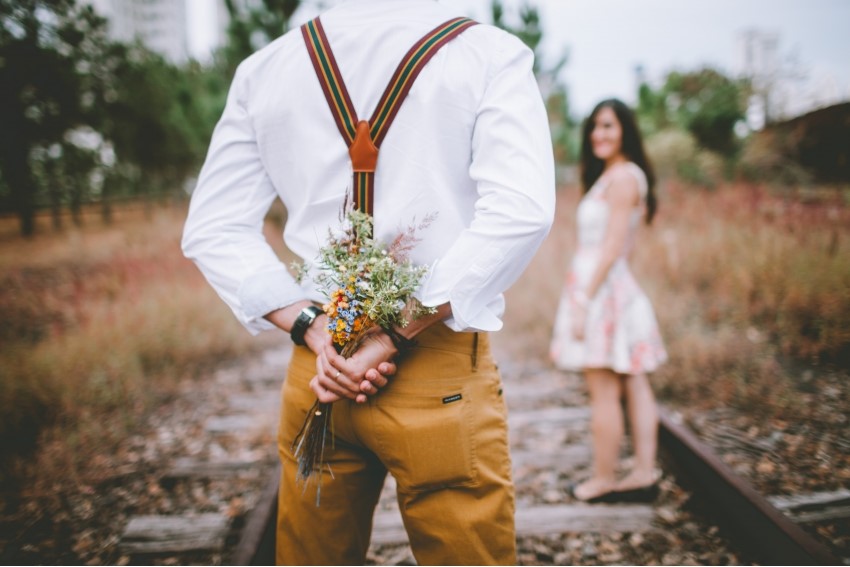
[(632, 148)]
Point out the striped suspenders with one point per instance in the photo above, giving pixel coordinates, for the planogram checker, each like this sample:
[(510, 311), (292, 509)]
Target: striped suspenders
[(364, 138)]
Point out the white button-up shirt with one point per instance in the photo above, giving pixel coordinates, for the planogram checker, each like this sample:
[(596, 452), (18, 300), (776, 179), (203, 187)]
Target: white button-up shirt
[(471, 143)]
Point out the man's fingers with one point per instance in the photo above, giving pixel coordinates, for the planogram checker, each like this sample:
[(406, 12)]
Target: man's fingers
[(375, 378), (341, 378), (332, 376), (332, 360), (368, 388), (336, 386), (345, 382), (327, 397), (387, 368), (323, 394)]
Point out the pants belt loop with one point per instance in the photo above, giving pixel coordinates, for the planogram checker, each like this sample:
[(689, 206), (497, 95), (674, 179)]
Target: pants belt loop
[(475, 351)]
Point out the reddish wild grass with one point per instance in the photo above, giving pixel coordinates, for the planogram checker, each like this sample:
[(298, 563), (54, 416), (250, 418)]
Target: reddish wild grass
[(99, 324), (746, 285)]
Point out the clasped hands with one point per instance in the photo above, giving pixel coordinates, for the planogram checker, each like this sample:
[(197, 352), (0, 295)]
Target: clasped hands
[(355, 378)]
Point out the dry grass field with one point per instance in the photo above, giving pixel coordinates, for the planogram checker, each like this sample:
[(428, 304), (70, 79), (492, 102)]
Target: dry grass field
[(100, 323), (752, 291)]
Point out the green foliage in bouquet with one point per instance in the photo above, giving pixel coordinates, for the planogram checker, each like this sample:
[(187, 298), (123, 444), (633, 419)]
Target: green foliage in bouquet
[(370, 285)]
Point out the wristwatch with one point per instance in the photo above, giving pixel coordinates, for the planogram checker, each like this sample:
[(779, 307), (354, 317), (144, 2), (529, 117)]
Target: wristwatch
[(302, 323)]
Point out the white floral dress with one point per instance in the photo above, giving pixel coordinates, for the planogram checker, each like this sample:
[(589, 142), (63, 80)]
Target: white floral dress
[(621, 332)]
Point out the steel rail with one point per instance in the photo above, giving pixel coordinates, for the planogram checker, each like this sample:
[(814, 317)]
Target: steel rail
[(744, 513)]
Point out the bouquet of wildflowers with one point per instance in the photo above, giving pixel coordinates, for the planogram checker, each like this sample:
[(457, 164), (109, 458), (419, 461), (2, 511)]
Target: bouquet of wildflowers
[(371, 286)]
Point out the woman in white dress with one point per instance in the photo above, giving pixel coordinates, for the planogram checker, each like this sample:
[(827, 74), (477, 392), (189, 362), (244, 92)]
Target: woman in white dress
[(605, 326)]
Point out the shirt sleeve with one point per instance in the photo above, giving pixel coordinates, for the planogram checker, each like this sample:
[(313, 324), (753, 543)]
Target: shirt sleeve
[(223, 233), (513, 168)]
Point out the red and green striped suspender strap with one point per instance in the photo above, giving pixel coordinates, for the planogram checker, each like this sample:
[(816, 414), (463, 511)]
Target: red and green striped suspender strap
[(364, 138)]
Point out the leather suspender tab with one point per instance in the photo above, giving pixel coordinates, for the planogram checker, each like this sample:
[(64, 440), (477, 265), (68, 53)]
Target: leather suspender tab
[(363, 152)]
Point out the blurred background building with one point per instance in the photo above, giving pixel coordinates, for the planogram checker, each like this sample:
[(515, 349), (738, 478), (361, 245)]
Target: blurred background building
[(161, 25), (176, 29)]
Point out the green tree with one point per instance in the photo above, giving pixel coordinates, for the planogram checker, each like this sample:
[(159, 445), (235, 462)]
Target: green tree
[(565, 138), (159, 134), (555, 93), (705, 102), (71, 98), (709, 104), (46, 50), (254, 27), (528, 30), (651, 110)]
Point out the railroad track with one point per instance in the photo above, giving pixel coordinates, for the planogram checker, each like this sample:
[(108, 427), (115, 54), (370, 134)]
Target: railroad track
[(755, 521), (548, 423)]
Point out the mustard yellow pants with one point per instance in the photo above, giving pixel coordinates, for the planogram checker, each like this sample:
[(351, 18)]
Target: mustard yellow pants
[(439, 427)]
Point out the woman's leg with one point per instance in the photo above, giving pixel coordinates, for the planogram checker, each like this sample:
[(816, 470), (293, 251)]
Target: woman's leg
[(606, 426), (643, 419)]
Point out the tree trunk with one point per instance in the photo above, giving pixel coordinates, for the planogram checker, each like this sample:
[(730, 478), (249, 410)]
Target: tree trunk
[(76, 204), (105, 204), (21, 187), (55, 195)]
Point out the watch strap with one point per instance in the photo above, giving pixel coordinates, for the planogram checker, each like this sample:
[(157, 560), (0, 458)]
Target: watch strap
[(302, 323)]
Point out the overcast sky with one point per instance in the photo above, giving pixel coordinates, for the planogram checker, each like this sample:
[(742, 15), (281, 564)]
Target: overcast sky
[(607, 39)]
